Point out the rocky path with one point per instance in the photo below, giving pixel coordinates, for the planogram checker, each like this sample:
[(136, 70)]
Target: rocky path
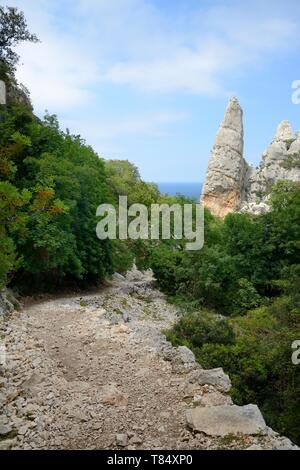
[(97, 373)]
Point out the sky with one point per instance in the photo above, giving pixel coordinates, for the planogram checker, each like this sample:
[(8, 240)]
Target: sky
[(149, 80)]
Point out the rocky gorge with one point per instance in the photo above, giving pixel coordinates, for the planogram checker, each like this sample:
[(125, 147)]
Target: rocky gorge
[(96, 372)]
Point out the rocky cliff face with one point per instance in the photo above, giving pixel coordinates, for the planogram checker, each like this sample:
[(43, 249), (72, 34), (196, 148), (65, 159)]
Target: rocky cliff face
[(12, 92), (231, 184), (2, 92)]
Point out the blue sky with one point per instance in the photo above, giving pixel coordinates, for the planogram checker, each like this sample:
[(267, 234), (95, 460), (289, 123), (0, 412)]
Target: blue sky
[(148, 80)]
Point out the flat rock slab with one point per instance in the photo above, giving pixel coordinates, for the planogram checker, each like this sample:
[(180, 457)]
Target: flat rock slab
[(226, 419)]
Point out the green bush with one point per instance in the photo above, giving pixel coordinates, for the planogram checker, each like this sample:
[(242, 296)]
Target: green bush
[(198, 328)]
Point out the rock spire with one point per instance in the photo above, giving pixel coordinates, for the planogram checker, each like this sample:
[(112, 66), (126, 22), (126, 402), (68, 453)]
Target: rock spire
[(232, 185), (223, 186)]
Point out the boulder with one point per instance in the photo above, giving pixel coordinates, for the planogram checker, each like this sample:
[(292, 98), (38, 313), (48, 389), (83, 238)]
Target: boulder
[(134, 274), (182, 358), (226, 419), (121, 440), (215, 377), (8, 303), (136, 440), (5, 429), (185, 355)]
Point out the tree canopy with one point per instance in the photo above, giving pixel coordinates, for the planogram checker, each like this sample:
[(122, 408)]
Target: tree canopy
[(13, 30)]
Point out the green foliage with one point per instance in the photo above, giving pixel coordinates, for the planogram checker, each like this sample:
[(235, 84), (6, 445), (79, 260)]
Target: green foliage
[(255, 350), (241, 260), (13, 30), (292, 161), (198, 328), (123, 256), (52, 183), (249, 270), (11, 222), (124, 179)]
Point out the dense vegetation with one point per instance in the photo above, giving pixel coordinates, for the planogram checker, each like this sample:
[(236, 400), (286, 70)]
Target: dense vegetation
[(240, 294), (51, 184), (249, 272)]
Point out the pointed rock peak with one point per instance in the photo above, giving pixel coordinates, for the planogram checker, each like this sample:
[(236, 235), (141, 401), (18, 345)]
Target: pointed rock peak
[(233, 117), (233, 104), (234, 99), (284, 132)]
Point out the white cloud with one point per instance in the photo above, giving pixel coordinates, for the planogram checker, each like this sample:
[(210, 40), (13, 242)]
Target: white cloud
[(57, 71), (145, 125), (223, 40), (186, 70), (134, 43), (57, 79)]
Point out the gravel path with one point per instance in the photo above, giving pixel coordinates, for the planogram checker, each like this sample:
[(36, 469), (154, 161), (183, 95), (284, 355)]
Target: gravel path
[(91, 373)]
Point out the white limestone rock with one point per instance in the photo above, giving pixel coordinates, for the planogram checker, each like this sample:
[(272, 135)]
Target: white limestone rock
[(295, 145), (2, 92), (215, 377), (231, 185), (284, 132), (256, 209), (226, 419), (8, 302), (276, 165), (182, 358), (227, 168), (121, 440), (283, 443)]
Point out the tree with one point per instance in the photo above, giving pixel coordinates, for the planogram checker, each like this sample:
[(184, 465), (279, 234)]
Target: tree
[(13, 30)]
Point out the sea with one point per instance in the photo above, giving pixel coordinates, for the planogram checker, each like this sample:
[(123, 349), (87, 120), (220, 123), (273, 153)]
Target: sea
[(192, 190)]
